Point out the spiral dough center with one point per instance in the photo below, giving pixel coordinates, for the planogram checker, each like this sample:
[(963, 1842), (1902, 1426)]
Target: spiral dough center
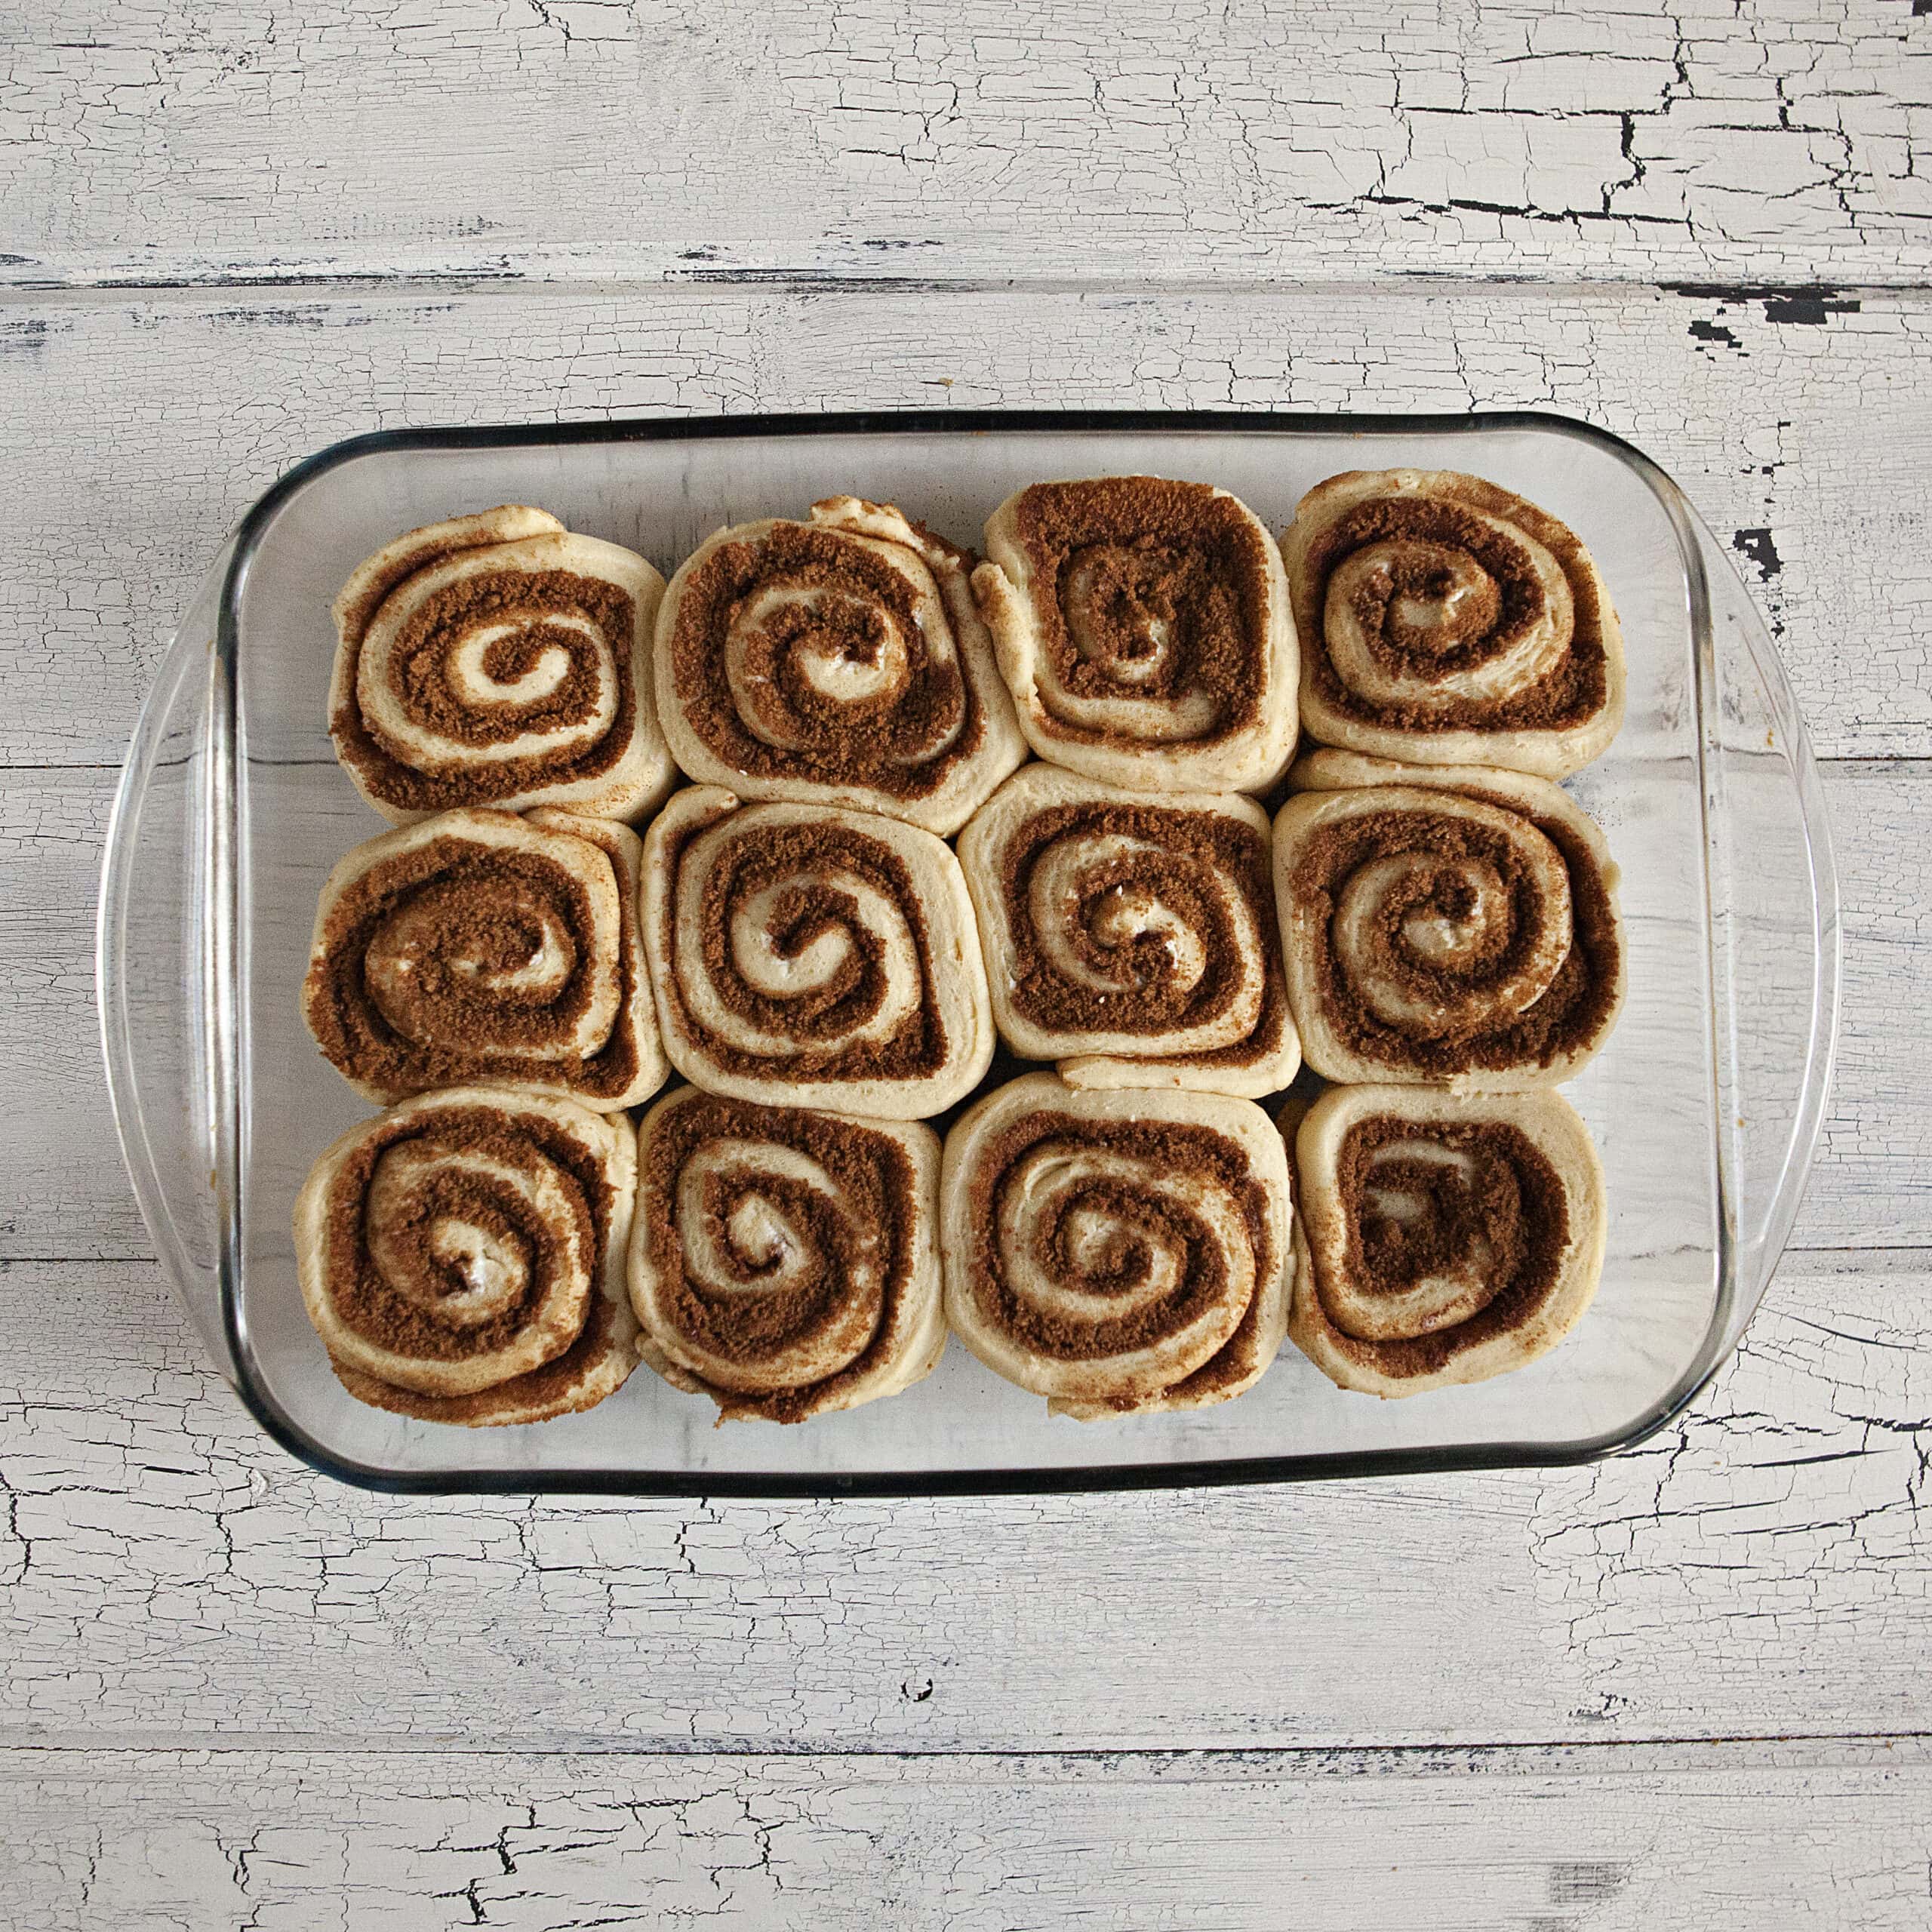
[(490, 670), (1114, 1253), (1435, 940), (1457, 608)]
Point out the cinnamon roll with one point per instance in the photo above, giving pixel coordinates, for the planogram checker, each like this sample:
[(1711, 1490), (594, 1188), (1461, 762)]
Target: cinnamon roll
[(1450, 1237), (497, 659), (1444, 925), (480, 946), (461, 1256), (839, 662), (1144, 628), (1119, 1253), (783, 1262), (1446, 621), (1133, 938), (804, 955)]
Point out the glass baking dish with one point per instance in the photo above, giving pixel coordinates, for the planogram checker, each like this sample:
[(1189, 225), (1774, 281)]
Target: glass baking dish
[(1705, 1103)]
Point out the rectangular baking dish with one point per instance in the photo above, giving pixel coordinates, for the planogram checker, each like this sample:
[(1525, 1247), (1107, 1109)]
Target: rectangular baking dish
[(1705, 1103)]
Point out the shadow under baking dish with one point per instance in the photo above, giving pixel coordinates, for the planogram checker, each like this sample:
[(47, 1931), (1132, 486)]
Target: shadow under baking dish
[(1705, 1103)]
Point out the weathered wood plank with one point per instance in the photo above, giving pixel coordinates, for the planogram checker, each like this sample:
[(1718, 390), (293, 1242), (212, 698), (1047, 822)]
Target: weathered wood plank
[(67, 1196), (171, 1580), (160, 141), (65, 1191), (142, 430), (1621, 1840)]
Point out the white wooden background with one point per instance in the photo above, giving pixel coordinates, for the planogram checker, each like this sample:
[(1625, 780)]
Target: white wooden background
[(1689, 1686)]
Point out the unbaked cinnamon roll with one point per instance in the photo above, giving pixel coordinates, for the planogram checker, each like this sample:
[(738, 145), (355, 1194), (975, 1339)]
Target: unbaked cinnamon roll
[(480, 946), (1144, 628), (1444, 925), (839, 662), (1450, 1237), (783, 1262), (1134, 938), (1120, 1254), (1448, 622), (497, 659), (461, 1256), (806, 956)]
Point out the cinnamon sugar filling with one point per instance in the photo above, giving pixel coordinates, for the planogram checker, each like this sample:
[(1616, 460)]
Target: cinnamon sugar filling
[(458, 915), (1438, 537), (836, 602), (1204, 855), (1571, 1013), (1499, 1217), (529, 601), (400, 1314), (1159, 589), (544, 1389), (808, 857), (1121, 1269), (868, 1229)]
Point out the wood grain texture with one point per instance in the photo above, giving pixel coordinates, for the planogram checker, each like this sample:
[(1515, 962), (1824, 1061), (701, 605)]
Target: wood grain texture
[(145, 428), (1617, 1840), (168, 1579), (1773, 141)]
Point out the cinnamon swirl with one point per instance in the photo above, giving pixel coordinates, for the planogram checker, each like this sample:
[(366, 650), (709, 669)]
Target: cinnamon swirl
[(1133, 938), (839, 662), (1455, 925), (461, 1256), (1144, 628), (497, 659), (783, 1262), (1117, 1252), (480, 946), (820, 958), (1448, 622), (1450, 1237)]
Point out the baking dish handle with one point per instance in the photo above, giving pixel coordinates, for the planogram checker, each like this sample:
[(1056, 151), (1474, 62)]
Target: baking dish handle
[(163, 953), (1774, 950)]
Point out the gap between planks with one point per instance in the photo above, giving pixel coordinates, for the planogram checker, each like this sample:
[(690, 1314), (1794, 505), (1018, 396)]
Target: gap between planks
[(107, 292), (1638, 1755)]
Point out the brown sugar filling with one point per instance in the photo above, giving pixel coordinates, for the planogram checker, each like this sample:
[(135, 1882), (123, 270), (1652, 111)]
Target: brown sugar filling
[(782, 852), (1443, 527), (1202, 849), (356, 619), (1175, 1147), (903, 741), (874, 1176), (1515, 1201), (556, 1388), (366, 1303), (482, 904), (1573, 1011), (1149, 552), (420, 668)]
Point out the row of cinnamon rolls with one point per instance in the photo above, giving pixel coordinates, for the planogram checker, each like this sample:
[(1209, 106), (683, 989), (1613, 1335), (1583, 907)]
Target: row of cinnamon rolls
[(1394, 923), (481, 1256), (1141, 632)]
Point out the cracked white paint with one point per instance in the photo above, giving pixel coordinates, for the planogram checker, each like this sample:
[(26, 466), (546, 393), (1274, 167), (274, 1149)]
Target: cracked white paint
[(1556, 1841), (159, 141), (382, 1676)]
